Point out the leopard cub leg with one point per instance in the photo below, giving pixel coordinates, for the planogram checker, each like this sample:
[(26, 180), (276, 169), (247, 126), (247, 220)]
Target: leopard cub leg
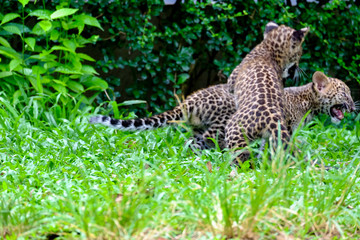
[(216, 132), (197, 141), (236, 137)]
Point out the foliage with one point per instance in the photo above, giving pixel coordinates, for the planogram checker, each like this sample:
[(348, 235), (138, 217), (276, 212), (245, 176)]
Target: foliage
[(43, 58), (177, 47), (150, 51), (334, 42), (74, 180)]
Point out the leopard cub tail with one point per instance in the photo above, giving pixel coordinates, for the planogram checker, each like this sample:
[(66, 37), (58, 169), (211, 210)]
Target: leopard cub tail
[(156, 121)]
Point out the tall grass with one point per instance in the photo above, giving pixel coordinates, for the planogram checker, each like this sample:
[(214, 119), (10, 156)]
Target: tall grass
[(69, 179)]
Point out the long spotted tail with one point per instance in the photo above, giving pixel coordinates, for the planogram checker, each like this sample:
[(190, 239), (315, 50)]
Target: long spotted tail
[(156, 121)]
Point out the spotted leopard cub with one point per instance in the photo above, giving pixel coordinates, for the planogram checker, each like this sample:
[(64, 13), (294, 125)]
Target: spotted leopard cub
[(324, 95), (258, 87), (206, 112)]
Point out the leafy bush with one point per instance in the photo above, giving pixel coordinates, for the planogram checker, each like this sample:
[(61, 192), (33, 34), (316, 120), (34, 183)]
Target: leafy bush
[(185, 46), (46, 61)]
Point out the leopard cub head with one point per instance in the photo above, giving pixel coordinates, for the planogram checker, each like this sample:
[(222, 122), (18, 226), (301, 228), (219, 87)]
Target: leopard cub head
[(334, 97), (285, 43)]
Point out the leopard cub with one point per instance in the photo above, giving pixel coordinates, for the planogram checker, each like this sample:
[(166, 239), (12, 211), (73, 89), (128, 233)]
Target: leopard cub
[(258, 88)]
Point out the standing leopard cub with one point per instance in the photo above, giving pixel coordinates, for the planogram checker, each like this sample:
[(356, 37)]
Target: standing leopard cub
[(208, 110), (258, 88)]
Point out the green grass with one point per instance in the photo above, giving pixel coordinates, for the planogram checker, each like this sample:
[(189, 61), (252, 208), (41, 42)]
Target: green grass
[(72, 180)]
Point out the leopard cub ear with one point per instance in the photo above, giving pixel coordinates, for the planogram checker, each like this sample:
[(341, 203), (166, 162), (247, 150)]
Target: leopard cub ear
[(321, 81), (270, 26), (300, 34)]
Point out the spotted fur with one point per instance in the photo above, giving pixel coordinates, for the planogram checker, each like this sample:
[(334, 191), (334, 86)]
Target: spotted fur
[(258, 87)]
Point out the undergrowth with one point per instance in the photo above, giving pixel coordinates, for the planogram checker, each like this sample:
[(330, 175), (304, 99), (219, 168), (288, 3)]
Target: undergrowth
[(75, 180)]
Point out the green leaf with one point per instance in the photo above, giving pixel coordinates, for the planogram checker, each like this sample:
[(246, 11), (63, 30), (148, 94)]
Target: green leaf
[(88, 70), (21, 27), (8, 17), (50, 118), (12, 29), (44, 56), (75, 86), (25, 71), (50, 64), (9, 107), (54, 35), (9, 52), (88, 20), (182, 78), (76, 64), (31, 42), (14, 64), (65, 25), (16, 96), (115, 109), (45, 25), (66, 70), (4, 185), (41, 14), (59, 82), (46, 79), (59, 88), (70, 44), (61, 48), (80, 27), (24, 2), (85, 57), (35, 109), (33, 82), (5, 74), (38, 70), (37, 30), (63, 13), (95, 83), (93, 39), (131, 102), (39, 84), (4, 42)]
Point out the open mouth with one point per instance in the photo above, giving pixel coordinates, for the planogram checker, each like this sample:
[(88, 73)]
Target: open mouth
[(337, 113)]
